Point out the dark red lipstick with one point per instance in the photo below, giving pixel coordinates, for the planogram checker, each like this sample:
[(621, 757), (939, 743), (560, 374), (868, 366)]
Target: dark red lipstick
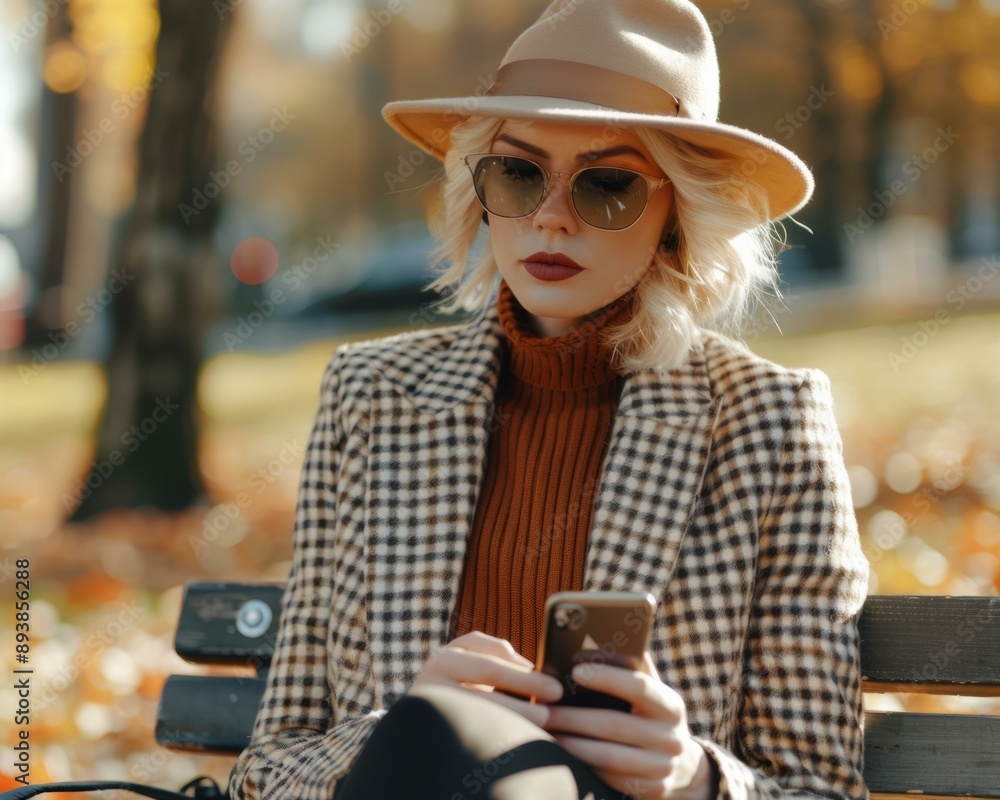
[(551, 266)]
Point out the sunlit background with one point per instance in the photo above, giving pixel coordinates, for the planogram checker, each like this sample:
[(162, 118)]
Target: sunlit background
[(150, 212)]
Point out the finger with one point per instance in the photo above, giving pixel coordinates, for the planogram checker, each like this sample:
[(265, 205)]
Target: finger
[(479, 687), (459, 665), (649, 696), (481, 642), (649, 667), (615, 726), (613, 757), (537, 713), (631, 785), (533, 712)]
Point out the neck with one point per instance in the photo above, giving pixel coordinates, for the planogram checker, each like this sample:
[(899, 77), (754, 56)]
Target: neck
[(574, 360), (551, 327)]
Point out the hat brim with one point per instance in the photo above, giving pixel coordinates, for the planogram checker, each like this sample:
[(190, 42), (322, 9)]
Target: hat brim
[(784, 176)]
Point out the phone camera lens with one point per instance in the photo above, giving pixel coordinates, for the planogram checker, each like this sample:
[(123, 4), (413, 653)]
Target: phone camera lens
[(569, 615)]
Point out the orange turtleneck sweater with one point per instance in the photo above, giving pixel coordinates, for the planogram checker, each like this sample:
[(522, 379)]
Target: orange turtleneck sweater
[(556, 402)]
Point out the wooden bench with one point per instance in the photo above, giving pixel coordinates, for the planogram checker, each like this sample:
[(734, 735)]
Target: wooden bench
[(929, 645)]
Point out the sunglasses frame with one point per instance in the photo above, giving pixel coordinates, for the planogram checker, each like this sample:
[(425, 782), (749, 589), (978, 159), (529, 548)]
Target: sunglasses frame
[(653, 184)]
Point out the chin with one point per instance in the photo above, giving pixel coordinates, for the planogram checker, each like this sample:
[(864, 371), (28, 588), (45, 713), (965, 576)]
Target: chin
[(556, 299)]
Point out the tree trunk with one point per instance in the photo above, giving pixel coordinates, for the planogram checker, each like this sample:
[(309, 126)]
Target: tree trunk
[(164, 279), (59, 116)]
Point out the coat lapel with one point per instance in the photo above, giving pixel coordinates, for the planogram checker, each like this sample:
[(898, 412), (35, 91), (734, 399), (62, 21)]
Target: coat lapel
[(430, 424), (652, 477)]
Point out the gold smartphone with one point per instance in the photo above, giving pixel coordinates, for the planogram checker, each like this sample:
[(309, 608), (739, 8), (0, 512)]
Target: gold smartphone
[(593, 627)]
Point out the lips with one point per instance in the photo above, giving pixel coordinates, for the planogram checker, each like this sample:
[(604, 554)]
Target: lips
[(553, 258), (551, 266)]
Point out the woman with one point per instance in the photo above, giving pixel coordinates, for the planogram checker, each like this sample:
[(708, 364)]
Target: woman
[(587, 429)]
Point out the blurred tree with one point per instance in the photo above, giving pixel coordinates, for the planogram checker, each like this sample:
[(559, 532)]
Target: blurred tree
[(148, 429), (55, 191), (823, 214)]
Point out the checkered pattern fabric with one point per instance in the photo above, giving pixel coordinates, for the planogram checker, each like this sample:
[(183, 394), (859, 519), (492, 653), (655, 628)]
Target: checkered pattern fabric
[(723, 493)]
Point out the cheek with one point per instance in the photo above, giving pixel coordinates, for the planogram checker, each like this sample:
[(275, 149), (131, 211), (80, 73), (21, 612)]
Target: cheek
[(638, 251), (503, 238)]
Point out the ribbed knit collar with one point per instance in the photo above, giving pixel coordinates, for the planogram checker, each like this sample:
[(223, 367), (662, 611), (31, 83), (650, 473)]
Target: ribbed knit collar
[(576, 360)]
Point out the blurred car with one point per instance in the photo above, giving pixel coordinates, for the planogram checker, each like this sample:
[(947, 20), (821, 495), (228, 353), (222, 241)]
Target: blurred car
[(361, 291)]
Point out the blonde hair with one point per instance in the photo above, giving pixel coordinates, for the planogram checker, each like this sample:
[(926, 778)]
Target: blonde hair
[(723, 265)]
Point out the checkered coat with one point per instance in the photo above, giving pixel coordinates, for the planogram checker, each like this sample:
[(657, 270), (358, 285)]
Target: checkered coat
[(723, 493)]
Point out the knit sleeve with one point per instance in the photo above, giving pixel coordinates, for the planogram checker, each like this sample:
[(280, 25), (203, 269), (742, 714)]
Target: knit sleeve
[(800, 721), (298, 747)]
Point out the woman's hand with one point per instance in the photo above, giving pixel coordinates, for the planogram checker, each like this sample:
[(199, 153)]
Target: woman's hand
[(479, 662), (649, 753)]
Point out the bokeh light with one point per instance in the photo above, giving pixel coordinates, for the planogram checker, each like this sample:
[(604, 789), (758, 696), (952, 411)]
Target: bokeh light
[(864, 485), (254, 260), (903, 472), (64, 67)]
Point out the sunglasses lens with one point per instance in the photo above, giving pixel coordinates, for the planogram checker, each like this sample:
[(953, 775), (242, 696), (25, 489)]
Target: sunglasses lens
[(609, 198), (604, 197), (508, 186)]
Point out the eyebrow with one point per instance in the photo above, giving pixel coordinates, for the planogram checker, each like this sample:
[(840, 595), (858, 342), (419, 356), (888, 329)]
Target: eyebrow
[(580, 157)]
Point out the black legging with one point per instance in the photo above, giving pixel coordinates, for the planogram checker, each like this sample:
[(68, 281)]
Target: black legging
[(443, 743)]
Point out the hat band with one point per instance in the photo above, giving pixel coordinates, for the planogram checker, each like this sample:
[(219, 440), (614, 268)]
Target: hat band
[(571, 80)]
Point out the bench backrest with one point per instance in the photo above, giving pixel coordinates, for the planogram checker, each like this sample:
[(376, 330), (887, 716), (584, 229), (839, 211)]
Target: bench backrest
[(928, 645)]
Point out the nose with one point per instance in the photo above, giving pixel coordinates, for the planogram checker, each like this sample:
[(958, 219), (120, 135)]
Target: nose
[(555, 212)]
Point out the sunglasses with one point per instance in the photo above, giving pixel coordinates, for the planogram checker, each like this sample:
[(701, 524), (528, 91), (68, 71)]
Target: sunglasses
[(608, 198)]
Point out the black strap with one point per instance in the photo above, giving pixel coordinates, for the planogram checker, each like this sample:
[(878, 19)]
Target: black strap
[(210, 791)]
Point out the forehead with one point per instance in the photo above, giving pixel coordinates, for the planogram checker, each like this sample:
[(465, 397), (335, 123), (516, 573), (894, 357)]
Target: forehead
[(572, 138)]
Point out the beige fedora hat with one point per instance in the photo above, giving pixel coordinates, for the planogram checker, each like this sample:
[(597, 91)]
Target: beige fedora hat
[(622, 63)]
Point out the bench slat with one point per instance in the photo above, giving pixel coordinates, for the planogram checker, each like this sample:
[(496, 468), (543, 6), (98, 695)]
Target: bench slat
[(207, 713), (229, 623), (932, 645), (932, 754), (917, 644)]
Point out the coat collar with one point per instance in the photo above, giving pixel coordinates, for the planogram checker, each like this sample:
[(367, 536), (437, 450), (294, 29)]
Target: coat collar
[(431, 417), (434, 387)]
